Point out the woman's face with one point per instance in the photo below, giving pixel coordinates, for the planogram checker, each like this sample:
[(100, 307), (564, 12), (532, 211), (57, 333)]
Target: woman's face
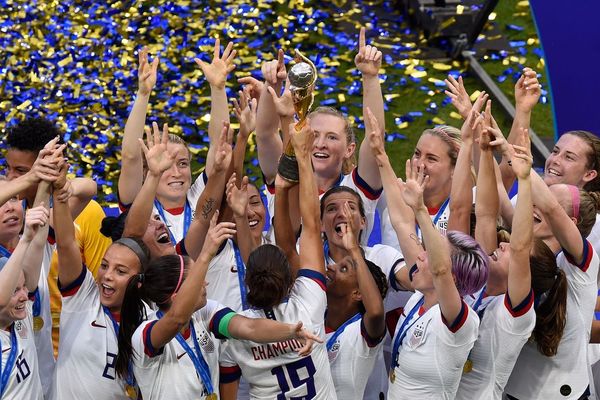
[(11, 219), (499, 259), (177, 180), (333, 217), (16, 309), (331, 146), (422, 280), (118, 265), (256, 213), (157, 238), (568, 162), (341, 277), (431, 154)]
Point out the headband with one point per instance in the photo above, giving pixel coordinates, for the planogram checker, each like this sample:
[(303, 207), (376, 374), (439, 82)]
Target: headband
[(181, 268), (575, 200), (136, 248)]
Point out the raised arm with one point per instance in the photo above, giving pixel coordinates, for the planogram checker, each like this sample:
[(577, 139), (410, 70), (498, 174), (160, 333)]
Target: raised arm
[(521, 238), (487, 200), (459, 96), (311, 245), (527, 94), (245, 112), (211, 197), (368, 62), (438, 250), (158, 160), (186, 301), (373, 318), (461, 193), (237, 199), (69, 256), (216, 74), (285, 236), (268, 142), (132, 176)]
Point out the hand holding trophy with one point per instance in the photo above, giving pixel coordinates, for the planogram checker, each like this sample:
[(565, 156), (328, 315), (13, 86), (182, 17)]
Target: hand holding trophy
[(302, 77)]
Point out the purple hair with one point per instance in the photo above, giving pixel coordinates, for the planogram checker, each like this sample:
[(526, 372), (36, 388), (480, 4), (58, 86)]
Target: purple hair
[(469, 263)]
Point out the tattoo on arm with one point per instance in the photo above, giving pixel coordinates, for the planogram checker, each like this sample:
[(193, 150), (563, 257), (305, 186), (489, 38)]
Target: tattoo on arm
[(208, 207)]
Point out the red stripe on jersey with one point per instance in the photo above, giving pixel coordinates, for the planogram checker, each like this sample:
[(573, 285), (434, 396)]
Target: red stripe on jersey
[(588, 253), (364, 187), (316, 276), (180, 248), (229, 374), (521, 308), (74, 286), (371, 342), (460, 319), (149, 350), (175, 210), (391, 319)]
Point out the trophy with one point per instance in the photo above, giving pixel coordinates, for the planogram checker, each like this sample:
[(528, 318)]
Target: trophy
[(302, 77)]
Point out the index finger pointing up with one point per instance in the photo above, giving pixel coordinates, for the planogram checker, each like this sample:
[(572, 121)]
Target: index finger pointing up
[(361, 39)]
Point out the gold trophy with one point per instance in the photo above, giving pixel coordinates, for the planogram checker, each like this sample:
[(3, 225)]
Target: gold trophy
[(302, 77)]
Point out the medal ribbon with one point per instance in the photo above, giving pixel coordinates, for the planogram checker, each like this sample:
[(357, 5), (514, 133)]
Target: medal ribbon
[(187, 218), (4, 252), (10, 362), (241, 272), (404, 330), (436, 218), (478, 304), (130, 379), (338, 331), (196, 356)]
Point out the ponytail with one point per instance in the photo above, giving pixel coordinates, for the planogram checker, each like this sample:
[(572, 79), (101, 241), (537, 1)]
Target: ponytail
[(133, 312), (549, 284)]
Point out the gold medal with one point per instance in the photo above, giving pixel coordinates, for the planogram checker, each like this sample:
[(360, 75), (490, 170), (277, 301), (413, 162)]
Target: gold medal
[(468, 367), (131, 392), (212, 396), (38, 324), (392, 376)]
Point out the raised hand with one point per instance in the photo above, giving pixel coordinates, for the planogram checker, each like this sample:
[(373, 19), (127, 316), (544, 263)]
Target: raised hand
[(306, 338), (485, 137), (158, 157), (217, 233), (460, 98), (349, 240), (274, 71), (147, 72), (376, 139), (302, 140), (522, 159), (35, 218), (527, 90), (245, 112), (281, 183), (368, 59), (252, 87), (474, 120), (499, 141), (237, 199), (284, 104), (412, 192), (224, 151), (62, 188), (221, 65), (45, 166)]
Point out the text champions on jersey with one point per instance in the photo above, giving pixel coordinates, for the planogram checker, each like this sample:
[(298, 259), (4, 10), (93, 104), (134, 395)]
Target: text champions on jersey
[(272, 350)]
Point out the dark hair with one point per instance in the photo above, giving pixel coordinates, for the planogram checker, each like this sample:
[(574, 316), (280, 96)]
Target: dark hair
[(593, 157), (589, 204), (268, 276), (31, 134), (156, 284), (549, 284), (349, 163), (113, 227), (380, 280), (343, 189)]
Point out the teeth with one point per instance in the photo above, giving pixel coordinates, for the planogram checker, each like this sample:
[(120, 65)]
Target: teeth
[(176, 184), (321, 155), (338, 227), (163, 238), (252, 223), (553, 172)]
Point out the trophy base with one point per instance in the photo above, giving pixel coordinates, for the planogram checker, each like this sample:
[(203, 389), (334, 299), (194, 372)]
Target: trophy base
[(288, 168)]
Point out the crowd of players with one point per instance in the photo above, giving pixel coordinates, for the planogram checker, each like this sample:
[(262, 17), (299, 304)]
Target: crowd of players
[(214, 287)]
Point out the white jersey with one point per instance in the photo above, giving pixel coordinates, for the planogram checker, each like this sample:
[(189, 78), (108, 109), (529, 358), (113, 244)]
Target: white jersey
[(432, 355), (352, 357), (564, 375), (175, 219), (354, 181), (169, 373), (275, 370), (24, 381), (85, 368), (503, 331)]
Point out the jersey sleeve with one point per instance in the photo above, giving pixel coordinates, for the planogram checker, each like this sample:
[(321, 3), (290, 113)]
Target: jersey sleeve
[(145, 355), (462, 330), (218, 317), (517, 318), (229, 371), (309, 289), (583, 274), (81, 294), (369, 198), (196, 189)]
